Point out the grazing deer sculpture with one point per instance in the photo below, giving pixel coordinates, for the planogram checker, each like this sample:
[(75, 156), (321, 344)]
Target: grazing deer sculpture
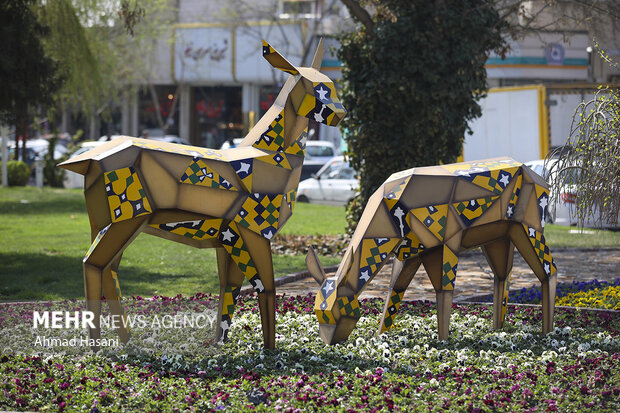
[(233, 200), (427, 216)]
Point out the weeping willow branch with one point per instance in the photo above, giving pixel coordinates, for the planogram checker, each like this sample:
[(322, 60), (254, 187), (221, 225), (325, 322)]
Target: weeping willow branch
[(588, 164)]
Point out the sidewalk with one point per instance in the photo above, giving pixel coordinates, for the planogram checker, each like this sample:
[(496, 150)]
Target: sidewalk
[(474, 276)]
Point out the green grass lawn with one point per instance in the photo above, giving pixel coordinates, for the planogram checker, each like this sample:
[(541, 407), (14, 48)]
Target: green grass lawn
[(44, 235)]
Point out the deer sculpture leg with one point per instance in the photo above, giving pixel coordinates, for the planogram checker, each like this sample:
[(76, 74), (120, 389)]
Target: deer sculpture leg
[(499, 254), (252, 254), (231, 279), (402, 274), (103, 252), (533, 247), (112, 293), (440, 265)]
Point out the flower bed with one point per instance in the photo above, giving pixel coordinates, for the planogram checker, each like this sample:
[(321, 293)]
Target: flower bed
[(574, 368), (593, 294)]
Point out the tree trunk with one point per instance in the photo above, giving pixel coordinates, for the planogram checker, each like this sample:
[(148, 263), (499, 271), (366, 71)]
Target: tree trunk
[(21, 129)]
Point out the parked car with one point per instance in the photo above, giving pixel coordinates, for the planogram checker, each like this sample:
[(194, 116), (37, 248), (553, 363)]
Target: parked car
[(37, 148), (334, 184), (320, 151), (158, 135), (563, 212), (317, 155)]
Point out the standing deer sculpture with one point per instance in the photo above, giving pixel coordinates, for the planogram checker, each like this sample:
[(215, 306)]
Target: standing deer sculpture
[(428, 216), (234, 200)]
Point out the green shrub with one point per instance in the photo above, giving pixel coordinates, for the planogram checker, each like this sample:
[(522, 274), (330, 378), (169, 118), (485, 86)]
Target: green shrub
[(18, 173)]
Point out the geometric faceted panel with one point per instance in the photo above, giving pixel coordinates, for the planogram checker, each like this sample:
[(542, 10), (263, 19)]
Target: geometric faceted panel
[(374, 252), (514, 198), (126, 197), (198, 230), (259, 213), (273, 138), (434, 217), (472, 209), (199, 173), (537, 239)]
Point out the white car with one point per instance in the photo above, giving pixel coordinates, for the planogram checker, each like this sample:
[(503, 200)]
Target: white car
[(563, 212), (320, 151), (334, 184)]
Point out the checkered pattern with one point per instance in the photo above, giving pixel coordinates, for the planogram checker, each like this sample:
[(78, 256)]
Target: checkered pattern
[(298, 147), (397, 190), (199, 230), (349, 307), (541, 249), (273, 138), (290, 198), (260, 213), (434, 218), (409, 247), (126, 197), (324, 302), (233, 243), (96, 242), (374, 253), (230, 300), (450, 262), (199, 173), (392, 309), (474, 208), (512, 204), (277, 159), (494, 180)]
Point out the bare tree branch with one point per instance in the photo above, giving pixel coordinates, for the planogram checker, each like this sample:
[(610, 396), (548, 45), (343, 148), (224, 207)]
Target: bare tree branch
[(358, 11)]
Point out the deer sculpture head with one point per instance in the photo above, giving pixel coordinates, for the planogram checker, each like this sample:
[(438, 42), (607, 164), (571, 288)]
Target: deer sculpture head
[(312, 93)]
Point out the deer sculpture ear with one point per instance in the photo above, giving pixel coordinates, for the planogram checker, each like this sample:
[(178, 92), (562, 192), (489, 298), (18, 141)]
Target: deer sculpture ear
[(276, 60), (314, 266), (318, 55)]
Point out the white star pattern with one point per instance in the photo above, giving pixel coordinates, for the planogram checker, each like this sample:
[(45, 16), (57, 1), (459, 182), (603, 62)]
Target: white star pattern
[(547, 268), (504, 181), (532, 232), (227, 235), (322, 93), (269, 234), (365, 275), (329, 286), (509, 211)]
